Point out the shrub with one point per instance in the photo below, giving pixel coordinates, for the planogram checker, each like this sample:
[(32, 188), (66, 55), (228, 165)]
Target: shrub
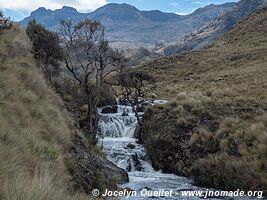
[(46, 48)]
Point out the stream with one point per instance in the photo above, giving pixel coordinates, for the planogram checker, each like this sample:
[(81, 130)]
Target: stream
[(116, 135)]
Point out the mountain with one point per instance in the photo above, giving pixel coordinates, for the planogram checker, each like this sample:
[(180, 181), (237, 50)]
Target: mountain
[(125, 23), (212, 30), (218, 99)]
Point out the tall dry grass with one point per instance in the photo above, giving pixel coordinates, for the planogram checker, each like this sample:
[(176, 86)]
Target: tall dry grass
[(218, 140), (236, 62), (35, 130), (214, 129)]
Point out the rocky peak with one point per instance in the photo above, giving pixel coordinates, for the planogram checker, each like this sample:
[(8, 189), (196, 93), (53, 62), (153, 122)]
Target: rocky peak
[(212, 30)]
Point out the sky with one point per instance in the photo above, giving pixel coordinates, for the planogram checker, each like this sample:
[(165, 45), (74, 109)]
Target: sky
[(19, 9)]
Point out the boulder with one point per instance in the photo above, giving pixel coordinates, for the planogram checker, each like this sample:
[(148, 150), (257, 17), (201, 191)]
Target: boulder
[(87, 166), (137, 163), (109, 109), (141, 108), (131, 146), (124, 102), (125, 113)]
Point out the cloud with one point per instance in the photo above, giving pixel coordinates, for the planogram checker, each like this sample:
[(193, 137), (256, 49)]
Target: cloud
[(174, 4), (186, 12), (29, 5), (199, 2)]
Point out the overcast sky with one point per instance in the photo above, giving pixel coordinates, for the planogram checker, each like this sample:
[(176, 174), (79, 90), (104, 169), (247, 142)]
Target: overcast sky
[(18, 9)]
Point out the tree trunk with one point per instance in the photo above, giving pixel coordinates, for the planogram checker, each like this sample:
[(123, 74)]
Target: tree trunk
[(137, 116), (135, 110), (90, 126)]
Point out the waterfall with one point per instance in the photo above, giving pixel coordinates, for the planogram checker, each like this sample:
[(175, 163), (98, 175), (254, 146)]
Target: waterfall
[(116, 133), (116, 125)]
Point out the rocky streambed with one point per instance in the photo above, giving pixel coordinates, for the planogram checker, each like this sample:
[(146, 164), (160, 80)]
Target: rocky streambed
[(117, 132)]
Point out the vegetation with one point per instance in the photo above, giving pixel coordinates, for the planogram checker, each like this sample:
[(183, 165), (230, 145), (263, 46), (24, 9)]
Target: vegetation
[(133, 84), (218, 141), (77, 71), (89, 60), (214, 127), (46, 49), (35, 129)]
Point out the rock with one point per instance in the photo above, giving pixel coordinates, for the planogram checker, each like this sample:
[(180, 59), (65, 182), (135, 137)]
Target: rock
[(131, 146), (129, 167), (124, 114), (123, 102), (148, 103), (147, 188), (137, 163), (140, 108), (136, 132), (87, 166), (214, 29), (128, 189), (109, 109), (154, 96)]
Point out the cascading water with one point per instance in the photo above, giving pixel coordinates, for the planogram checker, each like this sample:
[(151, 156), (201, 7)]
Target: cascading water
[(117, 136)]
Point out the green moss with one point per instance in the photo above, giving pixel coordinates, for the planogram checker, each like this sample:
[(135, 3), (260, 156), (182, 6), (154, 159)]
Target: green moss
[(46, 152)]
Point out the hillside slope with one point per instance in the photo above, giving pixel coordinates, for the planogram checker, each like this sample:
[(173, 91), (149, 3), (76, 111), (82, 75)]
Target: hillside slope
[(42, 156), (235, 62), (212, 30), (214, 129), (35, 129)]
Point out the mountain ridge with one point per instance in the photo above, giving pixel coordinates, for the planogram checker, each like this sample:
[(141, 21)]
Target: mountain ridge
[(125, 23), (212, 30)]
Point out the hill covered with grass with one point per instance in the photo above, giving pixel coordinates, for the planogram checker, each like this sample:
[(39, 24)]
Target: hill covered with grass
[(214, 129), (44, 151), (36, 130), (235, 63)]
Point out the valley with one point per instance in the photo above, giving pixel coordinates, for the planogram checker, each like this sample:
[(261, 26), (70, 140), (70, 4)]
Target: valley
[(134, 104)]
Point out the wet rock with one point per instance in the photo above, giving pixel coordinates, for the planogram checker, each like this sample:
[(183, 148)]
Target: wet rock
[(137, 163), (129, 189), (87, 165), (148, 103), (140, 108), (129, 166), (124, 114), (147, 188), (109, 109), (131, 146), (124, 102), (106, 100), (136, 132)]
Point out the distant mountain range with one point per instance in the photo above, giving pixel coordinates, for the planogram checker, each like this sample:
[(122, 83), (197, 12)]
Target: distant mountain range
[(212, 30), (126, 24)]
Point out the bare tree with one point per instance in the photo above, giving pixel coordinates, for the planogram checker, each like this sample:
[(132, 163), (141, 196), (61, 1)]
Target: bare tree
[(133, 87), (89, 59)]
